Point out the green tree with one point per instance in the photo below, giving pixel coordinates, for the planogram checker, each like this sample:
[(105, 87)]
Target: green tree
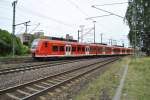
[(6, 44), (138, 19)]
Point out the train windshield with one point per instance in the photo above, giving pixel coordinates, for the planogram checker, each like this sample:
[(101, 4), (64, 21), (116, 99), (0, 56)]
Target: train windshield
[(35, 43)]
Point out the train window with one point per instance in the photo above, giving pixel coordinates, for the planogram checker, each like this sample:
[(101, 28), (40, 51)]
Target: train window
[(94, 49), (35, 43), (83, 49), (108, 49), (86, 49), (91, 49), (61, 48), (123, 50), (100, 49), (73, 49), (55, 48), (103, 49), (66, 48), (79, 48), (69, 48), (46, 44), (116, 50), (113, 50)]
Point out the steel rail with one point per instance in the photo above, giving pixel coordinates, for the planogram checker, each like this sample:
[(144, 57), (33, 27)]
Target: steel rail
[(38, 66), (16, 60), (64, 82), (58, 74)]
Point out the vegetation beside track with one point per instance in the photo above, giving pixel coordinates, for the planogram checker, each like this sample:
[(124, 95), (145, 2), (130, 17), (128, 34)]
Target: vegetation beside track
[(104, 86), (137, 83), (6, 45)]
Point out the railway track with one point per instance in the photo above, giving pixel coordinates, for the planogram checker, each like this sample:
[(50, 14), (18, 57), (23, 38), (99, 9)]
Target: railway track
[(32, 90), (36, 66), (16, 60)]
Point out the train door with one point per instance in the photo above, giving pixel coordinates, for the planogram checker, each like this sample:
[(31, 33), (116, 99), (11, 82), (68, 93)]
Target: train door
[(87, 49), (104, 52), (112, 51), (68, 49)]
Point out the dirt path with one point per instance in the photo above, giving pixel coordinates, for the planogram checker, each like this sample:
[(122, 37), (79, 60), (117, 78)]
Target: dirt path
[(119, 89)]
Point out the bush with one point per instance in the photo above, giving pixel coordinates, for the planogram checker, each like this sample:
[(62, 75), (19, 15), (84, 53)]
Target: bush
[(25, 50), (6, 44)]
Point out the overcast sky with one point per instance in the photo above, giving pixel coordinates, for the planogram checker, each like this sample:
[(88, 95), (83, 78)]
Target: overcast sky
[(60, 17)]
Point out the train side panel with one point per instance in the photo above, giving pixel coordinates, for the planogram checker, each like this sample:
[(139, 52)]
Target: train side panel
[(54, 48)]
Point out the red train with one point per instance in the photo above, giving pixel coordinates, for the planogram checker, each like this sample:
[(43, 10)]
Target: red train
[(57, 48)]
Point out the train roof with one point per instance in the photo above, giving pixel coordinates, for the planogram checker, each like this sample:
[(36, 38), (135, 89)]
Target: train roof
[(60, 39)]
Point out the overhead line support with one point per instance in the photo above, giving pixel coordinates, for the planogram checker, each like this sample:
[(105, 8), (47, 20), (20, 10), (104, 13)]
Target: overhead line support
[(107, 11), (13, 27)]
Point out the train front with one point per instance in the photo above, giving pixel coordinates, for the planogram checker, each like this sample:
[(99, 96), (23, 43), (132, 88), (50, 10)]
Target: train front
[(34, 47)]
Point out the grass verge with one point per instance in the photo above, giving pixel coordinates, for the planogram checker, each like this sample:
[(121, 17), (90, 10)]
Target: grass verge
[(137, 83), (104, 86)]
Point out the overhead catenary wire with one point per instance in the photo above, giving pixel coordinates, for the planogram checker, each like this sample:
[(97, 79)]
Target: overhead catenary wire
[(26, 10), (59, 21), (77, 7), (6, 8), (110, 4), (34, 13), (107, 11), (89, 18), (88, 32), (44, 16), (35, 28)]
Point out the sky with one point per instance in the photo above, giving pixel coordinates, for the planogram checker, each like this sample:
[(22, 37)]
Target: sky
[(60, 17)]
